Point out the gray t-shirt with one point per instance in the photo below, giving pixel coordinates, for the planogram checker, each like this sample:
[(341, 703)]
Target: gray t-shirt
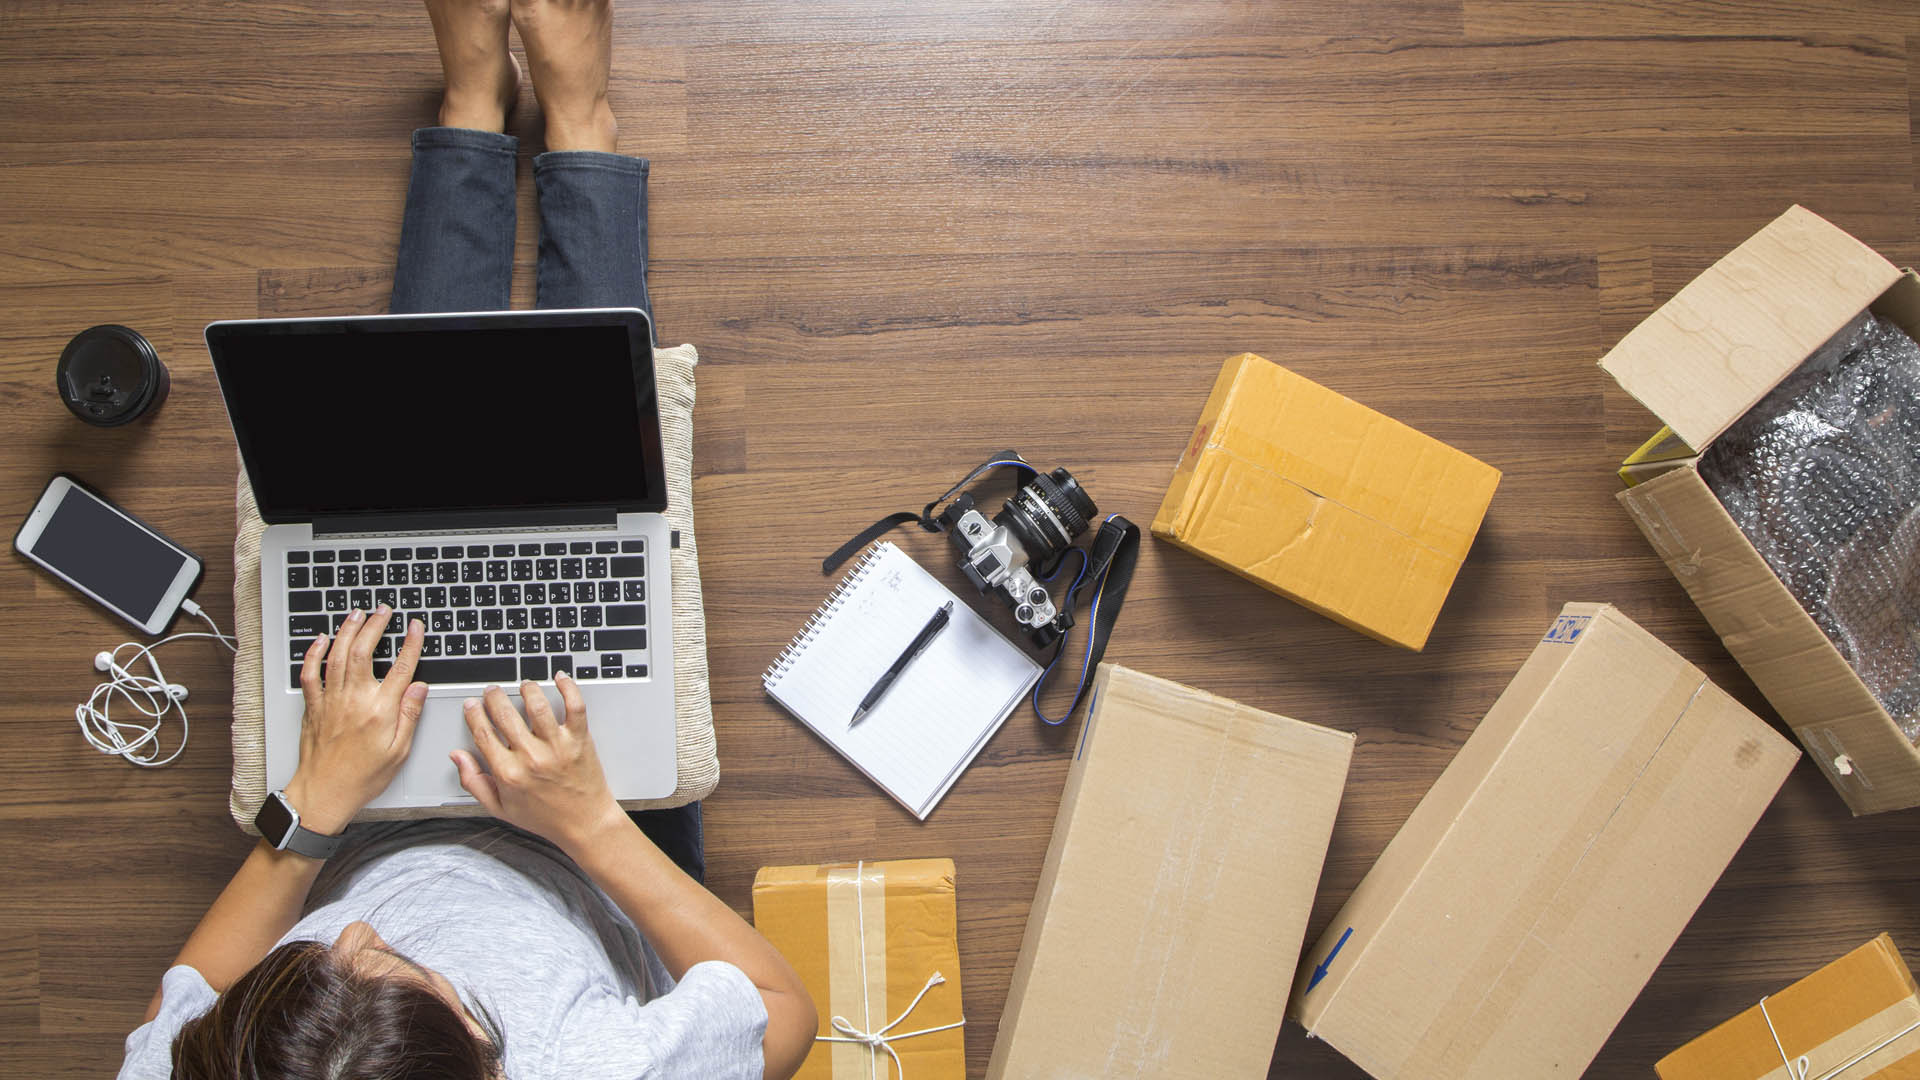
[(521, 932)]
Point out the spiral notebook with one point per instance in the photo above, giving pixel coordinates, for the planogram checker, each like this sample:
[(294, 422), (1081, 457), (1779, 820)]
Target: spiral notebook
[(941, 711)]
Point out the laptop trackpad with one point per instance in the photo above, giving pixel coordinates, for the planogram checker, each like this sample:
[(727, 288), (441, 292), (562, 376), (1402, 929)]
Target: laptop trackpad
[(429, 777)]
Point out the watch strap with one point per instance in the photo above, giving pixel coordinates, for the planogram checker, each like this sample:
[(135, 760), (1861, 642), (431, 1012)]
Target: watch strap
[(298, 838)]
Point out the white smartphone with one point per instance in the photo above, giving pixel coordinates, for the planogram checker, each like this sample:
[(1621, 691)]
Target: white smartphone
[(120, 561)]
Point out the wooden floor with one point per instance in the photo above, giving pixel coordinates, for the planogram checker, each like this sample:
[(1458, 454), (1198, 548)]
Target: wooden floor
[(904, 235)]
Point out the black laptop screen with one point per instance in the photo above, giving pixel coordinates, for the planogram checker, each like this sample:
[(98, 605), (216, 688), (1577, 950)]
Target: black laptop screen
[(357, 417)]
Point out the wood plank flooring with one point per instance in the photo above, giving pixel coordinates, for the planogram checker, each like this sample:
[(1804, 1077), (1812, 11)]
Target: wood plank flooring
[(904, 235)]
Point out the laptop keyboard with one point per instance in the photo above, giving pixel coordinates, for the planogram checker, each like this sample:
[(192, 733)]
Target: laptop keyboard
[(495, 613)]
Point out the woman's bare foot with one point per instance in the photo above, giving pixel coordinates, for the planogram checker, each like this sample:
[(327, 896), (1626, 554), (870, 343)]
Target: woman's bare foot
[(570, 49), (483, 78)]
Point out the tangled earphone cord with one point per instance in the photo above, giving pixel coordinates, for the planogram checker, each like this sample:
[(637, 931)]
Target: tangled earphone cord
[(153, 697)]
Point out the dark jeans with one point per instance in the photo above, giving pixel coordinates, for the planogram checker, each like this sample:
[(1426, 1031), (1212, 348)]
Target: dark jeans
[(456, 254)]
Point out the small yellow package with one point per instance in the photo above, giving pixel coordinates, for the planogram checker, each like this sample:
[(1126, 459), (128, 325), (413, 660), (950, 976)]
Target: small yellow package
[(877, 946)]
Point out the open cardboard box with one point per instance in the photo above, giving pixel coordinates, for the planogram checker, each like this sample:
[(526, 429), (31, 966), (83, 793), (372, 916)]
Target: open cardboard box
[(1699, 363)]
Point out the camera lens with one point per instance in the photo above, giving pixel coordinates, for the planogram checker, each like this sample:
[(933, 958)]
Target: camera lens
[(1047, 514)]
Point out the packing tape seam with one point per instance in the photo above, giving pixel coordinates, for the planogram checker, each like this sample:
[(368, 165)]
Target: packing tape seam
[(1797, 1067), (1454, 560), (876, 1041)]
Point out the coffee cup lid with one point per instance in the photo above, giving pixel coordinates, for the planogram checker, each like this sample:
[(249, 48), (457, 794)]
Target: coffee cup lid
[(108, 374)]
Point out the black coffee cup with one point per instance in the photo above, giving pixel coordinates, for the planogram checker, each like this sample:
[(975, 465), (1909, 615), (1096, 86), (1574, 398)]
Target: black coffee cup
[(110, 375)]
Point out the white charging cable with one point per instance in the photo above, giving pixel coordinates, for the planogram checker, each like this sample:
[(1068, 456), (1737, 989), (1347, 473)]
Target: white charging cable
[(153, 697)]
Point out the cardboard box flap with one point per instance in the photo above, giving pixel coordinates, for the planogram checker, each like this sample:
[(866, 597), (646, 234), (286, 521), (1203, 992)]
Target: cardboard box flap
[(1707, 355)]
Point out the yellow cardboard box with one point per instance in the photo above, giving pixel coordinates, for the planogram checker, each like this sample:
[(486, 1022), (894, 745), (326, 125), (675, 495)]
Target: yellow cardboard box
[(1858, 1017), (1326, 502), (877, 946)]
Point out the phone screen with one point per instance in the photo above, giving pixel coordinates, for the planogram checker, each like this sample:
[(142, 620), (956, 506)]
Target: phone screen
[(117, 560)]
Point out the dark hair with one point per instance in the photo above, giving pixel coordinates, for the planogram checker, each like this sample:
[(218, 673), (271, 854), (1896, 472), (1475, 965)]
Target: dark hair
[(303, 1013)]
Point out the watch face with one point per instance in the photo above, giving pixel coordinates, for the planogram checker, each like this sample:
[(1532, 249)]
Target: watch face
[(275, 820)]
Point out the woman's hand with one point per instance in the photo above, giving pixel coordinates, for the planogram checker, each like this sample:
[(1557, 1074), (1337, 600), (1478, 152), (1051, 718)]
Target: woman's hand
[(357, 729), (542, 774)]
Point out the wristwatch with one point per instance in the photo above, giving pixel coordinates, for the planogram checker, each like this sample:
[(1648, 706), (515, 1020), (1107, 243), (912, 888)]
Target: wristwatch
[(279, 824)]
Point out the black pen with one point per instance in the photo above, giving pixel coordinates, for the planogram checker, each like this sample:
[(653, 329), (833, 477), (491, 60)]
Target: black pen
[(920, 642)]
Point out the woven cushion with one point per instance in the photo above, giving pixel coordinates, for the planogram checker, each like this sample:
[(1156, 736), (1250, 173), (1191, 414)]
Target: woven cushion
[(699, 766)]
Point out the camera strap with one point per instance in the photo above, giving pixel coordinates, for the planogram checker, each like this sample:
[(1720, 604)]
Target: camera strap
[(1109, 567)]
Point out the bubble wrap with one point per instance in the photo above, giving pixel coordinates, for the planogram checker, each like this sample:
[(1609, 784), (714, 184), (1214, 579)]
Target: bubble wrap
[(1822, 476)]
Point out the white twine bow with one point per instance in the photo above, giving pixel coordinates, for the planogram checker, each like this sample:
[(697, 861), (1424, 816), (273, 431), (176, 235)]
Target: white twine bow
[(876, 1041), (1797, 1068)]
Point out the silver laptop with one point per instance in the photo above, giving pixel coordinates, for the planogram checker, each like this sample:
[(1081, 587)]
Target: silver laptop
[(498, 476)]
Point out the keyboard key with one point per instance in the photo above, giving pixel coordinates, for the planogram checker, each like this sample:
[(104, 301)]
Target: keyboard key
[(606, 547), (591, 616), (441, 622), (454, 645), (323, 577), (533, 667), (509, 595), (430, 646), (522, 569), (374, 574), (389, 597), (381, 667), (466, 619), (565, 617), (473, 571), (396, 623), (596, 567), (336, 599), (555, 641), (630, 566), (529, 549), (425, 553), (529, 643), (560, 593), (323, 556), (486, 595), (349, 555), (446, 573), (477, 551), (633, 546), (636, 671), (422, 573), (298, 557), (633, 590), (609, 593), (627, 615), (581, 547), (474, 670), (492, 619), (360, 599), (585, 673), (376, 554), (400, 554), (296, 677), (516, 618), (570, 569), (460, 596), (611, 659), (437, 596), (306, 626), (410, 598), (480, 644), (536, 593), (542, 617), (299, 577), (347, 576), (501, 551), (608, 640), (546, 569), (609, 672), (579, 641), (555, 549), (338, 620), (504, 643), (562, 663), (383, 649)]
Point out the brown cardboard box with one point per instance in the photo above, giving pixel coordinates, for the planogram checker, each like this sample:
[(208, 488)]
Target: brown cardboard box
[(866, 938), (1321, 499), (1856, 1018), (1529, 897), (1175, 892), (1699, 363)]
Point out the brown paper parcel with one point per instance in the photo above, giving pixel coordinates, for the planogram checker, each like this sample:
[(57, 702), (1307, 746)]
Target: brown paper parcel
[(877, 947)]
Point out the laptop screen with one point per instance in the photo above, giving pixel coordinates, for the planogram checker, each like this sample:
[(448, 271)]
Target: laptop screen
[(511, 412)]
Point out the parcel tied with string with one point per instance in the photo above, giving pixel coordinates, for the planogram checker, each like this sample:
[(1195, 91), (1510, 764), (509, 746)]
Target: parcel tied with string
[(877, 946), (1855, 1019)]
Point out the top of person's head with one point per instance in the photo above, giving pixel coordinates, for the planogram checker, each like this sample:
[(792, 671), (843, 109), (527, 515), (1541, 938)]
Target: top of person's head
[(305, 1012)]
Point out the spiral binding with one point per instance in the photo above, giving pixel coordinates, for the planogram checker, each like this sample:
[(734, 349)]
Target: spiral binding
[(789, 655)]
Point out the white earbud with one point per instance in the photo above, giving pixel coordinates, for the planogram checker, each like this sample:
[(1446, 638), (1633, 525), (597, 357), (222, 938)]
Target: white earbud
[(151, 695), (176, 692), (103, 661)]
